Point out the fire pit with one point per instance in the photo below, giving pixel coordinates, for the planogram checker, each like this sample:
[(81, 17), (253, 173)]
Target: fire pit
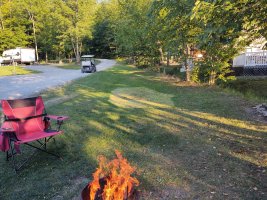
[(112, 181)]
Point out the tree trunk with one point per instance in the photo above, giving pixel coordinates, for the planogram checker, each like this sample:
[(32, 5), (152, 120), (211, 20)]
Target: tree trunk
[(168, 59), (73, 47), (76, 45), (187, 67), (212, 77), (1, 21), (161, 55), (35, 42), (78, 56), (187, 71), (2, 25), (46, 57), (34, 35)]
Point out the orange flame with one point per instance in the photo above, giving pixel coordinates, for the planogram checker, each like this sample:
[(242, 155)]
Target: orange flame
[(116, 176)]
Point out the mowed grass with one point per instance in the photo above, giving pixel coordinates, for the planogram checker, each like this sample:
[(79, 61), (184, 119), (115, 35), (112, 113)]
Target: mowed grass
[(72, 65), (187, 142), (17, 70), (251, 87), (68, 66)]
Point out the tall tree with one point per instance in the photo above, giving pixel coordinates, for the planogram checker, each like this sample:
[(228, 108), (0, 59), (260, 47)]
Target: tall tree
[(13, 26), (253, 13), (52, 29), (81, 20), (103, 43), (221, 37), (132, 32), (178, 30), (34, 10)]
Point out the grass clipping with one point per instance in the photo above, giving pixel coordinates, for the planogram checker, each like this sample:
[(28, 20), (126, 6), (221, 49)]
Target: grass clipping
[(140, 97)]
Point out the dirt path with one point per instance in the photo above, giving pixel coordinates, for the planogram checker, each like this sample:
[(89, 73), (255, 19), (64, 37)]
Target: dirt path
[(21, 86)]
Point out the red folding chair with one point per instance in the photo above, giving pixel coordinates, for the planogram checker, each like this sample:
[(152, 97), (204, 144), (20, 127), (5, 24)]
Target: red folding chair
[(26, 121)]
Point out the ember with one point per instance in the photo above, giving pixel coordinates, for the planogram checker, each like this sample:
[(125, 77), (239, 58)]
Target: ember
[(112, 180)]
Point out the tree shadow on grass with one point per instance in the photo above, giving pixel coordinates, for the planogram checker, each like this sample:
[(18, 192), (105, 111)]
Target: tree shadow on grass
[(214, 155), (198, 146)]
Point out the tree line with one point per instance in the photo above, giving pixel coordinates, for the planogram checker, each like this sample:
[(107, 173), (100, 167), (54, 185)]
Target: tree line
[(55, 28), (144, 31)]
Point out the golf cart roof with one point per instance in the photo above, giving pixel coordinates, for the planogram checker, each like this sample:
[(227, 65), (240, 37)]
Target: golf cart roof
[(87, 56)]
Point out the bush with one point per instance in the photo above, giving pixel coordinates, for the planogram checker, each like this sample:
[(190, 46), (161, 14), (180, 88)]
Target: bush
[(248, 87), (200, 73), (175, 70)]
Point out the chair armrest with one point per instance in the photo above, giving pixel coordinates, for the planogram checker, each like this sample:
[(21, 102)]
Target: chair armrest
[(6, 128), (58, 118)]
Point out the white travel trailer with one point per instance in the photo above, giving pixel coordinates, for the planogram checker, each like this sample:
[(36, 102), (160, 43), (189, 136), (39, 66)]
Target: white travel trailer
[(19, 55)]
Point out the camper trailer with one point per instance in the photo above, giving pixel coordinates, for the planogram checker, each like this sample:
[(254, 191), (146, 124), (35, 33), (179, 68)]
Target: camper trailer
[(18, 55)]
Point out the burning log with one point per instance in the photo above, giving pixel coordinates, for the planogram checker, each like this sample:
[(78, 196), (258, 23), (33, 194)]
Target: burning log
[(112, 181)]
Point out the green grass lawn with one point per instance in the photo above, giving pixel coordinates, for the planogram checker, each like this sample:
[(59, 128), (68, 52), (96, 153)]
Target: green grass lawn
[(68, 66), (251, 87), (187, 142), (11, 70), (72, 65)]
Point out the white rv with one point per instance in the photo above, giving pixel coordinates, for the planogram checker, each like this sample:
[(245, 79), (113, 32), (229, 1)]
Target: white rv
[(19, 55)]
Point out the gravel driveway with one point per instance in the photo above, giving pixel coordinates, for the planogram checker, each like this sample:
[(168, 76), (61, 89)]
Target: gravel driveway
[(12, 87)]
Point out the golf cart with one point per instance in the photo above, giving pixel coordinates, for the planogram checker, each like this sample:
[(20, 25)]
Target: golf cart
[(88, 64)]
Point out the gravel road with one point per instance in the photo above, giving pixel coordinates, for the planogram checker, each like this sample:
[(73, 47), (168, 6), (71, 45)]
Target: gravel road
[(12, 87)]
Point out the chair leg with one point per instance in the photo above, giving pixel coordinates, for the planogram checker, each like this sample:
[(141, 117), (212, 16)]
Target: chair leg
[(7, 155), (12, 155), (25, 161), (43, 150)]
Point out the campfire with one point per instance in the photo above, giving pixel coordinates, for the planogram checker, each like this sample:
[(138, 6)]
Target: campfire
[(112, 181)]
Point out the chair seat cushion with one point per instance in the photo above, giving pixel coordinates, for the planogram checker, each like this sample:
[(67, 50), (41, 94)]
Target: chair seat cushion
[(29, 137)]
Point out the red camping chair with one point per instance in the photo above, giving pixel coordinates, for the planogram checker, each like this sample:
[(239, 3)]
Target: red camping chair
[(25, 121)]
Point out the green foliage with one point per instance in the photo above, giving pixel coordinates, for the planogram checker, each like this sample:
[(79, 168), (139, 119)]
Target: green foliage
[(219, 36), (103, 42), (145, 31), (253, 15), (13, 26), (176, 29), (195, 76), (80, 22), (217, 28), (133, 34), (58, 28), (52, 30), (13, 37)]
